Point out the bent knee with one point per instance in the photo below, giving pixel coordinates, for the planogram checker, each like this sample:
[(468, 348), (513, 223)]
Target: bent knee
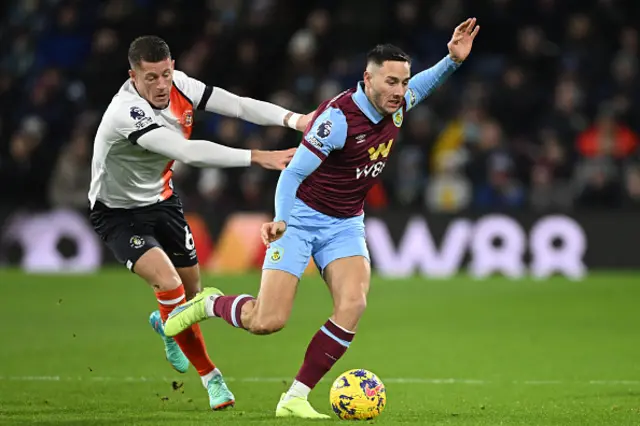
[(267, 326)]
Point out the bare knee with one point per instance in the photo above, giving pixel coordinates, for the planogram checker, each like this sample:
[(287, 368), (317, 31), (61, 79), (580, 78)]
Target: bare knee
[(268, 325), (166, 283), (353, 305), (163, 280), (155, 268), (349, 310)]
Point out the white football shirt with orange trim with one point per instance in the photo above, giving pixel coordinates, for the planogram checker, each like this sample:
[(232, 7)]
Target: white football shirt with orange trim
[(125, 175)]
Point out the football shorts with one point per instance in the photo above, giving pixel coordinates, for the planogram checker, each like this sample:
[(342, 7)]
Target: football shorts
[(314, 234), (129, 233)]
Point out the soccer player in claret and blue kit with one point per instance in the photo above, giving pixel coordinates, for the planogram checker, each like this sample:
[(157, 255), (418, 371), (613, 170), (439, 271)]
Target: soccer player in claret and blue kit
[(319, 212)]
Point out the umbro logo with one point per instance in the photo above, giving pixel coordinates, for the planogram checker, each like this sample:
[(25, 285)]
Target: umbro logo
[(361, 138)]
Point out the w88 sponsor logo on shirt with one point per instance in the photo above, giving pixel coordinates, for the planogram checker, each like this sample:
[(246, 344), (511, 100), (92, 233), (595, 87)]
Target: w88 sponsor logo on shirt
[(372, 169)]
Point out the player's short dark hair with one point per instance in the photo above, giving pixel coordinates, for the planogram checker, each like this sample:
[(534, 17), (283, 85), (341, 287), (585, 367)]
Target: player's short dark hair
[(386, 52), (149, 49)]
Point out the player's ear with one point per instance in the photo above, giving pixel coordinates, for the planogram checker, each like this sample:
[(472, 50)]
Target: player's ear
[(132, 74), (367, 78), (173, 64)]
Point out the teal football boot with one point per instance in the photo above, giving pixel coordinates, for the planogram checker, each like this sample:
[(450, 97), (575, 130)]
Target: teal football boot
[(220, 396), (172, 351)]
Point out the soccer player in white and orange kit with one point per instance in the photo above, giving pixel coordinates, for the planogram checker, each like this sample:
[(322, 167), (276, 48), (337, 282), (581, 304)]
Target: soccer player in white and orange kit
[(134, 208)]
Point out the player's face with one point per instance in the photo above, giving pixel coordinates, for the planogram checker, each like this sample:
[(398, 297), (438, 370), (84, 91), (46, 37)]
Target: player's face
[(153, 81), (387, 85)]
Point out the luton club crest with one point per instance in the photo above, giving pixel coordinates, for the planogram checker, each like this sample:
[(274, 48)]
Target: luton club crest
[(187, 118)]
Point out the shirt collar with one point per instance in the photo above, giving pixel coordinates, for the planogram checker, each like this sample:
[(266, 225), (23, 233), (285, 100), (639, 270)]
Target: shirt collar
[(361, 100)]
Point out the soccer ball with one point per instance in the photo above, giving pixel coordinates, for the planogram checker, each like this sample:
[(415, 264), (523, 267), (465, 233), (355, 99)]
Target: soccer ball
[(358, 395)]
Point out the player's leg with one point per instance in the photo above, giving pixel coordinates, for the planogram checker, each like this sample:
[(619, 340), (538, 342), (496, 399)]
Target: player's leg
[(129, 235), (285, 261), (191, 280), (348, 280), (174, 234), (173, 351), (271, 310), (344, 261)]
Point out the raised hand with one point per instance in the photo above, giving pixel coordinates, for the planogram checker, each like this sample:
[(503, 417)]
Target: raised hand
[(462, 40)]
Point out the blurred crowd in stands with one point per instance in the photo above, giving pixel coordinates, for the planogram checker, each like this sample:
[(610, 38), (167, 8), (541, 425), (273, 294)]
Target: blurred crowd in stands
[(545, 114)]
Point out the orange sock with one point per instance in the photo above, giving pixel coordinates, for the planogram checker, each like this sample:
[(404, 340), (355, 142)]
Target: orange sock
[(191, 340)]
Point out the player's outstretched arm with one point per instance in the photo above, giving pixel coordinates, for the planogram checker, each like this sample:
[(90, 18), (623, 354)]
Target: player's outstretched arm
[(425, 82), (328, 133), (201, 153), (255, 111), (220, 101)]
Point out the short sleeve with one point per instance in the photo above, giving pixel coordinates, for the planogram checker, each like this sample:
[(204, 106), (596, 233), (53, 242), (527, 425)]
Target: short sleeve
[(134, 119), (195, 90), (327, 133)]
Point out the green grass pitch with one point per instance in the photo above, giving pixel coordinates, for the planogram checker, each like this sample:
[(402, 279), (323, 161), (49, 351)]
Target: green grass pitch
[(78, 350)]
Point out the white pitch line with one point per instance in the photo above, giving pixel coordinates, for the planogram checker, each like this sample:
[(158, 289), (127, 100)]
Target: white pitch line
[(405, 380)]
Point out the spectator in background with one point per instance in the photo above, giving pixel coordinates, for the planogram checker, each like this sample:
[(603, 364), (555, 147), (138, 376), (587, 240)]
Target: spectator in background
[(71, 177), (566, 116), (67, 41), (632, 185), (551, 175), (603, 148), (598, 183), (408, 173), (535, 53), (607, 137), (449, 190), (211, 185), (516, 97), (544, 64), (461, 133), (105, 66), (491, 170), (19, 172), (20, 56)]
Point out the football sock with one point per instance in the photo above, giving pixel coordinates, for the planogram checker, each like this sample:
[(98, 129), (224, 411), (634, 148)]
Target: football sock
[(324, 350), (191, 340), (205, 379), (297, 390), (229, 308)]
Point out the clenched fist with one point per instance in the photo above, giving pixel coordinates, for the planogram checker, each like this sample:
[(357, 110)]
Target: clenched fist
[(272, 160), (272, 231)]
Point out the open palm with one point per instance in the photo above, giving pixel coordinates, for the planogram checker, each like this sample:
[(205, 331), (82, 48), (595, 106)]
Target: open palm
[(462, 40)]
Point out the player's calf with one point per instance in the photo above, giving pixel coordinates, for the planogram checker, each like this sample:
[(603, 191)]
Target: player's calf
[(348, 281), (230, 308), (267, 314), (272, 309), (244, 311), (156, 268), (265, 326), (190, 277)]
